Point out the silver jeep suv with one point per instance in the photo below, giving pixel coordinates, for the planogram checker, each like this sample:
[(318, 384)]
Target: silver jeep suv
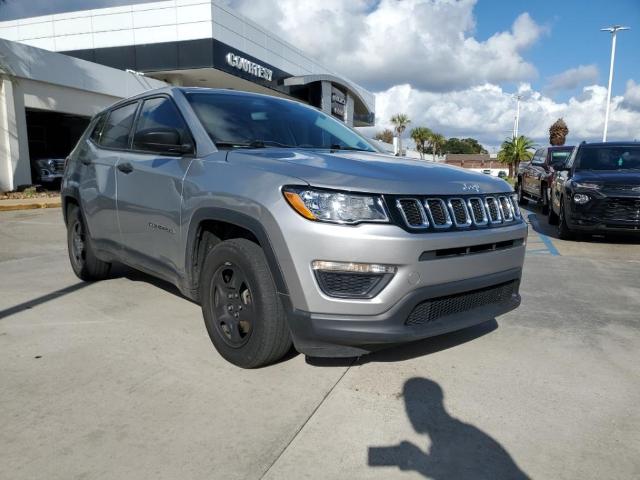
[(287, 226)]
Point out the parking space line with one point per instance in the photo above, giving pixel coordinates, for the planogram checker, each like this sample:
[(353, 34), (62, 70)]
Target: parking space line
[(548, 243)]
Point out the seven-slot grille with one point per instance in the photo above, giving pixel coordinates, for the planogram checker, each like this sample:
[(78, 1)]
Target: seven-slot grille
[(441, 213)]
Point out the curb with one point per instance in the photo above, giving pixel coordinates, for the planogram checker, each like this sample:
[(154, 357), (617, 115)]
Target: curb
[(30, 206)]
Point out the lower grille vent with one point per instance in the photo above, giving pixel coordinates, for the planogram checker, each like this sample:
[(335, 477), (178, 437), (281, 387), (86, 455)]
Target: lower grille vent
[(348, 285), (434, 309)]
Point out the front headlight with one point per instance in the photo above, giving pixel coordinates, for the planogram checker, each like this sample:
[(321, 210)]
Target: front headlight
[(335, 207), (587, 185), (581, 198)]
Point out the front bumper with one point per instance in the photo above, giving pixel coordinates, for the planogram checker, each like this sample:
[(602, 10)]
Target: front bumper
[(606, 214), (326, 335)]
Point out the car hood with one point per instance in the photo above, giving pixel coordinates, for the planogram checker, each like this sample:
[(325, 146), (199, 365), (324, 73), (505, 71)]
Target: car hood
[(612, 177), (369, 172)]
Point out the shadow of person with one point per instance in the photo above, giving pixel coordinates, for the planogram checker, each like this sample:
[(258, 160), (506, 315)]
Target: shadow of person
[(458, 450)]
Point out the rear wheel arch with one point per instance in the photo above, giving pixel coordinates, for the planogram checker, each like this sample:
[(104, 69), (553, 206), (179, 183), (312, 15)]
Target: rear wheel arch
[(209, 226)]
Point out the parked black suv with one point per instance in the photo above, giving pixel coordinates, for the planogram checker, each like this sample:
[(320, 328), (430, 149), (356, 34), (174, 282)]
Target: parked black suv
[(535, 178), (598, 190)]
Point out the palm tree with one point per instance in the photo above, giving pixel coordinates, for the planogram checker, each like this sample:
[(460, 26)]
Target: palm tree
[(385, 136), (437, 143), (558, 132), (422, 136), (515, 150), (400, 122)]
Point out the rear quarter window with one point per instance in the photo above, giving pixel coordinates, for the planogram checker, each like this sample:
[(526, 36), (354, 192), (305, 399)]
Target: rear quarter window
[(97, 128)]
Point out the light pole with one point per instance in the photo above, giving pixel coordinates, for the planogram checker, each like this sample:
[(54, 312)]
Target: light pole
[(614, 29), (516, 121)]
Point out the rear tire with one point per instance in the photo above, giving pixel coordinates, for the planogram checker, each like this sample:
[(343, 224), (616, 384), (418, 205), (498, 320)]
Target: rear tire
[(242, 311), (84, 263), (564, 232)]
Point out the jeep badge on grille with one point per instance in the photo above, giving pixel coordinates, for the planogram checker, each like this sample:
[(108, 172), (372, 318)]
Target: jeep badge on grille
[(471, 187)]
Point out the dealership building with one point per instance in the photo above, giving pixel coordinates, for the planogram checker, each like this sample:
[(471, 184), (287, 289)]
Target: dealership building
[(56, 71)]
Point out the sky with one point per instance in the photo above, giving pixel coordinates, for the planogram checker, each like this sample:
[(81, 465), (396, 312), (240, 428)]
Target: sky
[(454, 65)]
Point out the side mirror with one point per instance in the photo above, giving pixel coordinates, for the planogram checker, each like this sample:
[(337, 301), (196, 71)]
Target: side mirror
[(161, 140)]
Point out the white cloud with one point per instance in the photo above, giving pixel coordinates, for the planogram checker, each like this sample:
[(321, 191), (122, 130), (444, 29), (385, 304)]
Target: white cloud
[(423, 59), (427, 43), (486, 112), (632, 96), (572, 78)]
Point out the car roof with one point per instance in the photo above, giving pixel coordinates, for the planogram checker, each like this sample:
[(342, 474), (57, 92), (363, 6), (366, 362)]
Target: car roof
[(631, 143), (171, 90)]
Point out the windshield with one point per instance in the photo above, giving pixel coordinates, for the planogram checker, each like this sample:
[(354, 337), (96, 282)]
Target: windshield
[(609, 158), (560, 156), (236, 121)]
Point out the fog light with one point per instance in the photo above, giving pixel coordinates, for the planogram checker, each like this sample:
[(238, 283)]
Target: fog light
[(352, 267), (352, 280), (581, 198)]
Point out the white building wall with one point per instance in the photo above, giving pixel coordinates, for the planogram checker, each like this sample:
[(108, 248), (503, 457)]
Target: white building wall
[(34, 78), (167, 21)]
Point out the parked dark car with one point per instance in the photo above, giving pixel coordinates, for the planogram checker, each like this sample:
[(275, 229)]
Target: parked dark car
[(47, 171), (535, 178), (522, 166), (598, 190)]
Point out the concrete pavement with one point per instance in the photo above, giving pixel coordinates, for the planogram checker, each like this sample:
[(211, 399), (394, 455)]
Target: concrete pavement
[(118, 379)]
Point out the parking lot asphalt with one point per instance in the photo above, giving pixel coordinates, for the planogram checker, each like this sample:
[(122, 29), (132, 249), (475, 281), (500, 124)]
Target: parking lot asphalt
[(118, 379)]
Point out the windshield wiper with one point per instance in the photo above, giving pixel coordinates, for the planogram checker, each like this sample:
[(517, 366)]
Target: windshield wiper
[(335, 147), (252, 144)]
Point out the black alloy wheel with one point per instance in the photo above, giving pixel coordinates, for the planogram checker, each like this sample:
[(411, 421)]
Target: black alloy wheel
[(242, 310), (232, 303), (84, 262)]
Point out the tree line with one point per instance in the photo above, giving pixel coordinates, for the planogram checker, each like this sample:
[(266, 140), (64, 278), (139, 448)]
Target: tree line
[(513, 150), (427, 141)]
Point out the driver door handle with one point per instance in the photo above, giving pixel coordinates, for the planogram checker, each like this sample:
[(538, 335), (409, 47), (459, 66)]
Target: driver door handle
[(125, 167)]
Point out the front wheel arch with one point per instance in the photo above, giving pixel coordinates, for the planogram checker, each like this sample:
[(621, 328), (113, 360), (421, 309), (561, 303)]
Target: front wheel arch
[(237, 225)]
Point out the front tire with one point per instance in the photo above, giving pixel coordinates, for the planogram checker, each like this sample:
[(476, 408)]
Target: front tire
[(564, 232), (242, 312), (545, 200), (553, 216), (521, 199), (83, 260)]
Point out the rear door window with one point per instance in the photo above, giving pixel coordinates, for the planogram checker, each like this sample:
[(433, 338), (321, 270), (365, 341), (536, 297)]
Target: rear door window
[(117, 128)]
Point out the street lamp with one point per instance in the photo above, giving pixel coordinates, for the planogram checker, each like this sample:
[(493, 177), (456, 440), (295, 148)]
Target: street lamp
[(614, 29), (516, 121)]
